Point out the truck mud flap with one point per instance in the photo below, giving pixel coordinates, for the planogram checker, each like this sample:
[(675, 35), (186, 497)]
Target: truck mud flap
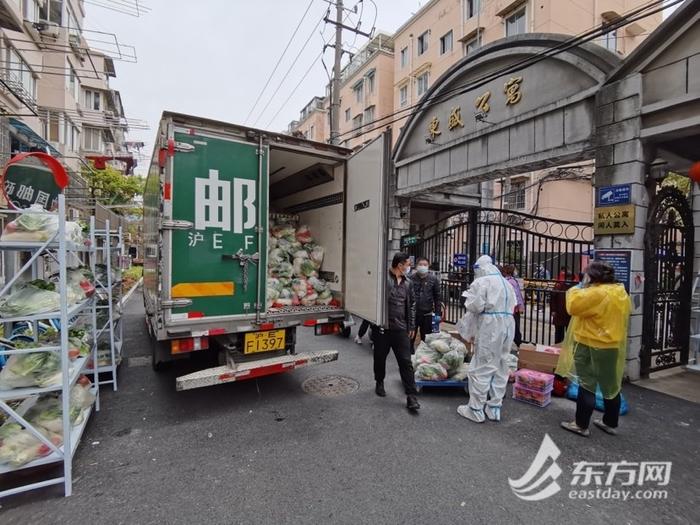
[(264, 367)]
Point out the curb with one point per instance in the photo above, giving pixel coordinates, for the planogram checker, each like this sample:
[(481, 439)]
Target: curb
[(130, 292)]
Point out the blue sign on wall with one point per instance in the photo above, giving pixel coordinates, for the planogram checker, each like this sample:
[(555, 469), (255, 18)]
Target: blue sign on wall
[(614, 195), (620, 260), (459, 260)]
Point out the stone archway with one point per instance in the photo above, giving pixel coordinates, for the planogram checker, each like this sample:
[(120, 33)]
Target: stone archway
[(469, 130)]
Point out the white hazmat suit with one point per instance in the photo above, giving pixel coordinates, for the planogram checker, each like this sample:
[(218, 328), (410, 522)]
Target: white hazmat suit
[(491, 299)]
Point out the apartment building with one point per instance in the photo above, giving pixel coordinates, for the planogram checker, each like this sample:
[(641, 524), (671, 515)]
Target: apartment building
[(54, 90), (365, 96), (313, 121)]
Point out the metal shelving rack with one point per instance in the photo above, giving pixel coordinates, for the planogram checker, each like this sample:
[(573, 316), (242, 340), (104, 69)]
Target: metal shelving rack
[(108, 244), (57, 249)]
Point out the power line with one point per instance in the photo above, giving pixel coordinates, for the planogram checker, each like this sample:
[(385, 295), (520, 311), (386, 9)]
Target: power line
[(274, 69), (587, 36), (296, 59)]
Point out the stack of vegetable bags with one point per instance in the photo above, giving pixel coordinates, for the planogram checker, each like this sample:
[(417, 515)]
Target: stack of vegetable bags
[(40, 296), (19, 446), (40, 369), (440, 357), (294, 261), (35, 224)]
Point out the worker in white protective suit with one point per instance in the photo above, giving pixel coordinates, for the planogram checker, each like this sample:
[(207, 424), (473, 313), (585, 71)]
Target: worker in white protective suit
[(491, 299)]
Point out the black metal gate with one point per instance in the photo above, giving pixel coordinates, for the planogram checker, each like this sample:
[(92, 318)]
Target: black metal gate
[(538, 247), (668, 274)]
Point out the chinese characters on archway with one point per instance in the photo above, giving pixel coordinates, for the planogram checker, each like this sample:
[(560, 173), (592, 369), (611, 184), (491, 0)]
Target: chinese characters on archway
[(512, 95)]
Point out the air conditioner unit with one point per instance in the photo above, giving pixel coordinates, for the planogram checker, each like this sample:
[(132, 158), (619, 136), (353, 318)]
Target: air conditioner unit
[(49, 29), (74, 40)]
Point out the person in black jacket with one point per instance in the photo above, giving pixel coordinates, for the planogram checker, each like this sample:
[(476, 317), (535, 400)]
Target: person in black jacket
[(426, 288), (399, 330)]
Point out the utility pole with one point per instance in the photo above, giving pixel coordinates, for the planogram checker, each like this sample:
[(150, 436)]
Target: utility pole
[(335, 83)]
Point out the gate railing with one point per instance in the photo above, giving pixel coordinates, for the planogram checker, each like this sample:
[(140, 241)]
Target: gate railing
[(538, 247)]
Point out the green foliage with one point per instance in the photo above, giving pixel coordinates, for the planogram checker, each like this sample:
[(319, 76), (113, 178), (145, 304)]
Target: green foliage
[(133, 273), (109, 186), (674, 180)]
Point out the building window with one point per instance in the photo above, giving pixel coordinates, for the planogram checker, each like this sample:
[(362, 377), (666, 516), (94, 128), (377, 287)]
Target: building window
[(92, 139), (610, 41), (516, 23), (369, 115), (72, 83), (53, 122), (515, 198), (471, 8), (404, 57), (446, 43), (422, 84), (370, 83), (348, 114), (52, 11), (357, 89), (357, 123), (311, 132), (18, 71), (92, 100), (72, 23), (423, 43), (472, 45), (403, 96), (31, 10)]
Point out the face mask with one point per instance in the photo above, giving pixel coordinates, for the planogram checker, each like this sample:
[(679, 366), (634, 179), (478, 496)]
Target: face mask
[(406, 270), (422, 270)]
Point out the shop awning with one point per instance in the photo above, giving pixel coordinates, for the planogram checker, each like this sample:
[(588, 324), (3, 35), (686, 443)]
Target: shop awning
[(30, 137)]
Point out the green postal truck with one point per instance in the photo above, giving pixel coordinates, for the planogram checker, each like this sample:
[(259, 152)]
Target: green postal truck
[(212, 191)]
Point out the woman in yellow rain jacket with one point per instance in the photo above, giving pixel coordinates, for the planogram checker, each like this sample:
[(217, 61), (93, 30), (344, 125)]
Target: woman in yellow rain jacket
[(595, 347)]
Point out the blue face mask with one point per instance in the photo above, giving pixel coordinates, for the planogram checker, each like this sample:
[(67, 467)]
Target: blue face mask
[(422, 270)]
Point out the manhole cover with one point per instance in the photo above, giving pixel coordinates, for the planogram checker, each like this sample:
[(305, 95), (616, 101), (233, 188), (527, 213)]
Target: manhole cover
[(330, 386), (139, 361)]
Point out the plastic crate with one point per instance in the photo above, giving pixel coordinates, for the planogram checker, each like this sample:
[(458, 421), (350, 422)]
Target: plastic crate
[(533, 397), (533, 380)]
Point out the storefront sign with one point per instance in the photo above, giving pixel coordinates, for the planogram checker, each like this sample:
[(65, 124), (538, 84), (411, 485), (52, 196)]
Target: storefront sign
[(33, 178), (620, 261), (459, 260), (614, 195), (614, 220), (434, 128), (409, 240), (512, 91)]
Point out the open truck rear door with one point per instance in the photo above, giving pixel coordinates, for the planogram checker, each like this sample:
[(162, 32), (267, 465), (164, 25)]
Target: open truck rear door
[(366, 217)]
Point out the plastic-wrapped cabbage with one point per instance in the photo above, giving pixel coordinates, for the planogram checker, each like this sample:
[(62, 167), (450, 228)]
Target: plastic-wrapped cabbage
[(286, 293), (40, 369), (277, 255), (307, 268), (309, 299), (300, 254), (283, 231), (440, 345), (81, 395), (316, 255), (303, 234), (426, 355), (325, 298), (431, 372), (452, 360), (461, 373), (34, 224), (444, 336), (27, 299), (283, 302), (318, 284), (271, 243), (458, 346), (21, 447), (300, 287), (273, 282), (283, 269)]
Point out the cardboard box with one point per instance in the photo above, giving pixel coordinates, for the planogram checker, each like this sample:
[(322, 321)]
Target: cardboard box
[(541, 358)]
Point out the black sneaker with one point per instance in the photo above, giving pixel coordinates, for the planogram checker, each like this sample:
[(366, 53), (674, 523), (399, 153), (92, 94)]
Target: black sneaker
[(379, 389), (412, 403)]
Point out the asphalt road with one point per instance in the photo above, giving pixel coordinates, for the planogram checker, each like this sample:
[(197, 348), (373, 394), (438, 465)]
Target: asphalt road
[(264, 451)]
